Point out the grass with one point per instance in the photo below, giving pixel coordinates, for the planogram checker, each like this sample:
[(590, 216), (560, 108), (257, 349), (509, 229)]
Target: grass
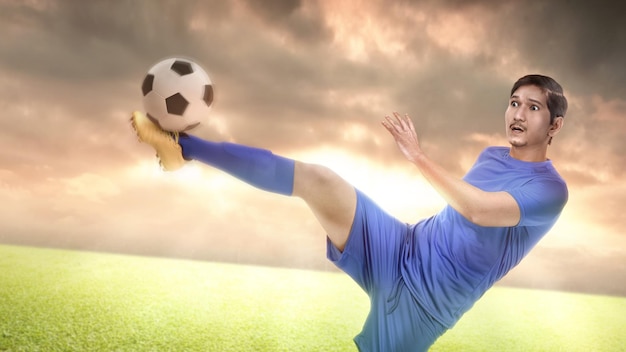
[(58, 300)]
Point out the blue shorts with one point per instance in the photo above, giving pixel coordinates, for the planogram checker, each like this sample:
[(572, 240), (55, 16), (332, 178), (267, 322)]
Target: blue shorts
[(372, 257)]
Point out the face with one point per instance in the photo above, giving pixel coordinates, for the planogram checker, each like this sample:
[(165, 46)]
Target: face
[(527, 118)]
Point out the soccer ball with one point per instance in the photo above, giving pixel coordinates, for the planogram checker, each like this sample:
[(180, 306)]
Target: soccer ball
[(177, 94)]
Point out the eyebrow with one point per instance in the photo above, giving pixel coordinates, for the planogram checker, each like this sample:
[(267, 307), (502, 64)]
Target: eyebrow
[(530, 99)]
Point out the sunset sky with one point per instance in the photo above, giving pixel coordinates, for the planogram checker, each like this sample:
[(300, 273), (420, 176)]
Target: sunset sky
[(309, 80)]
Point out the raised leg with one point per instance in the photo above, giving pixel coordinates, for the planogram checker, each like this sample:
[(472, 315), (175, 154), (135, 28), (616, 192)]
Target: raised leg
[(331, 198)]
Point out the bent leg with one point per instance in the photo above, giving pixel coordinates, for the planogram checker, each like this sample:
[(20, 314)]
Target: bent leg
[(330, 197)]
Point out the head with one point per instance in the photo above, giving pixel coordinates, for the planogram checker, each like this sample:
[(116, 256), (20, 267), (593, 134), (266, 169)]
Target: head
[(535, 113), (555, 100)]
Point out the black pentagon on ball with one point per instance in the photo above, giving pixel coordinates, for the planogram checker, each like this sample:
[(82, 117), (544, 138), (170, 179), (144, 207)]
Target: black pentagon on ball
[(182, 67), (146, 86), (208, 94), (176, 104)]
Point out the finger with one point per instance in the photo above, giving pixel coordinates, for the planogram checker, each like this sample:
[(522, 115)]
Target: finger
[(386, 124), (402, 121), (392, 125), (409, 122), (397, 116)]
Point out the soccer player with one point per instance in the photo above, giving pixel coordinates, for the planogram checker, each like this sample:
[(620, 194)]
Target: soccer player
[(421, 278)]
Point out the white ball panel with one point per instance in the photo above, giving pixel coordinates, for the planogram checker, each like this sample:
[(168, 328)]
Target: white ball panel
[(192, 89), (173, 123), (154, 104), (167, 82)]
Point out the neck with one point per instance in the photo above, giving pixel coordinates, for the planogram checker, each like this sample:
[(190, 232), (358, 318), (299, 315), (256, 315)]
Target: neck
[(538, 154)]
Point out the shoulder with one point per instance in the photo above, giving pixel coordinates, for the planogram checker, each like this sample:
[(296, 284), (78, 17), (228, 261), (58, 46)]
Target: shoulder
[(541, 197), (549, 177), (549, 185)]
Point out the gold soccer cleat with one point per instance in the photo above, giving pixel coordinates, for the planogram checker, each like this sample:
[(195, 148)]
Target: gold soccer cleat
[(168, 151)]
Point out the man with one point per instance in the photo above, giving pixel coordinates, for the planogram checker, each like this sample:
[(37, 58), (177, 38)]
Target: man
[(420, 278)]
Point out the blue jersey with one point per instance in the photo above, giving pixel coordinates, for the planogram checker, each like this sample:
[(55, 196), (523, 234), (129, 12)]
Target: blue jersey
[(450, 262)]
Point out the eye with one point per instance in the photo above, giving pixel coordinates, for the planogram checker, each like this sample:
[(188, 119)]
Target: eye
[(514, 104), (534, 108)]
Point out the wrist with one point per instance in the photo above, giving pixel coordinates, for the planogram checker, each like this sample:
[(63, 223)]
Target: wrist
[(418, 156)]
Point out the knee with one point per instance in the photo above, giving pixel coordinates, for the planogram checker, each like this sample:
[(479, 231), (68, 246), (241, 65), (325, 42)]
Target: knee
[(313, 178)]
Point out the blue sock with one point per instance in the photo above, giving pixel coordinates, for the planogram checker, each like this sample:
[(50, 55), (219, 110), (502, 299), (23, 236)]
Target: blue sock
[(257, 167)]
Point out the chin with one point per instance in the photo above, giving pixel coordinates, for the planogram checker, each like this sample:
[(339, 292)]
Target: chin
[(517, 143)]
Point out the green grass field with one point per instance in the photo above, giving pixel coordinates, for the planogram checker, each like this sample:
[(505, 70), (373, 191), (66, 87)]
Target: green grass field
[(57, 300)]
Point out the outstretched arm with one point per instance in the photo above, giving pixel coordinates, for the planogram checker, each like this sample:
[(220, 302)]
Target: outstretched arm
[(478, 206)]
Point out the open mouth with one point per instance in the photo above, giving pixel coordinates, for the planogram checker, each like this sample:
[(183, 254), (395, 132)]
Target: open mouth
[(517, 129)]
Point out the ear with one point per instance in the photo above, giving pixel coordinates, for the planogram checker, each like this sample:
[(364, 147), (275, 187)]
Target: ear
[(556, 126)]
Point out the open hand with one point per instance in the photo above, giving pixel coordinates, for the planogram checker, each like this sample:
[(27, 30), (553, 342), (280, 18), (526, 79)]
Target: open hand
[(403, 131)]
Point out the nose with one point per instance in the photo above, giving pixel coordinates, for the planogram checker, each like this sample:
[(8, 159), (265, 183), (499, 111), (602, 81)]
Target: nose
[(519, 115)]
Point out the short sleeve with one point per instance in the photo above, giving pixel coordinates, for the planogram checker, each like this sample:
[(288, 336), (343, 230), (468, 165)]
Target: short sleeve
[(540, 201)]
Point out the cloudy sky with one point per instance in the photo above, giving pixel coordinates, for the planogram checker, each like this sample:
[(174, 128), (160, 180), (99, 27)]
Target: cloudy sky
[(309, 80)]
